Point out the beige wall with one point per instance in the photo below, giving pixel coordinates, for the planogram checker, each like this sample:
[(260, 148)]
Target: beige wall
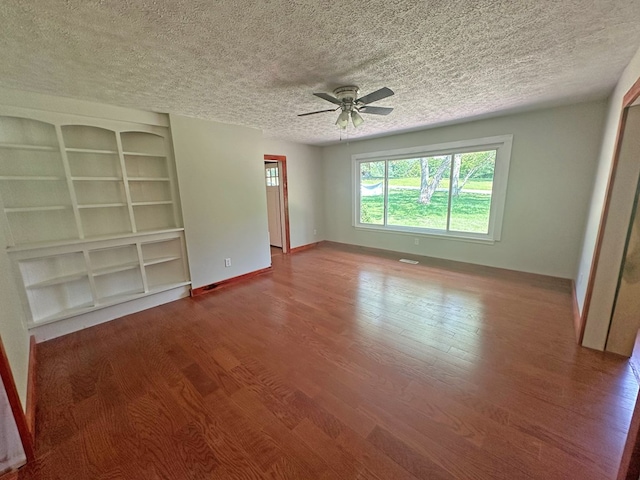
[(306, 195), (221, 178), (599, 315), (551, 174)]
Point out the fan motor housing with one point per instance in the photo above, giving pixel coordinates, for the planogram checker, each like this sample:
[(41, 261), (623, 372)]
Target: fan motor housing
[(347, 94)]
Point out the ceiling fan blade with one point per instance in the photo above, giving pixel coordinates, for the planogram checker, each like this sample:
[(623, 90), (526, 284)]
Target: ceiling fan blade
[(384, 92), (328, 97), (319, 111), (376, 110)]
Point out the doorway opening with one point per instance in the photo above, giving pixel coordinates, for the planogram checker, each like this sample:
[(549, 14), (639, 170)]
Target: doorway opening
[(275, 169), (631, 99)]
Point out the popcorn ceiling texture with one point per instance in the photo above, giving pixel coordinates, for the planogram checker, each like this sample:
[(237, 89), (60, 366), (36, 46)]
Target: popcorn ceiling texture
[(256, 63)]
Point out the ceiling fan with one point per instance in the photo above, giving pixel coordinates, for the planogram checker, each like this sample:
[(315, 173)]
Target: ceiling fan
[(347, 100)]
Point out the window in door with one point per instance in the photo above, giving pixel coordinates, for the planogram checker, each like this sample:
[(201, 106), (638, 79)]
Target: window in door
[(272, 176)]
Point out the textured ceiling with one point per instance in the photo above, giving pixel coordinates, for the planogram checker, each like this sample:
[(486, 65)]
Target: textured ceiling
[(256, 63)]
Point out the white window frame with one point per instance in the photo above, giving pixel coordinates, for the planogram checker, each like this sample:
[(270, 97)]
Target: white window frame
[(502, 144)]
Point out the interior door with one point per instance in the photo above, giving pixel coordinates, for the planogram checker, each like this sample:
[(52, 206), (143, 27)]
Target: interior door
[(272, 177), (625, 316)]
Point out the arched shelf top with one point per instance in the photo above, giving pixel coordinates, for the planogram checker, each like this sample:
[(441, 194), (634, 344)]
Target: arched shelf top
[(89, 137), (20, 131), (143, 143)]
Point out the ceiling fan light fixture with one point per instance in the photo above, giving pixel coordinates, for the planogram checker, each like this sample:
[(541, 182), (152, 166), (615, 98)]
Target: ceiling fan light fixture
[(343, 119), (356, 118)]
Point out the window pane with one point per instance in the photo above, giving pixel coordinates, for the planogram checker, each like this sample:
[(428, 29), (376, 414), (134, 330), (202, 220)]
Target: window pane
[(372, 193), (418, 195), (472, 190)]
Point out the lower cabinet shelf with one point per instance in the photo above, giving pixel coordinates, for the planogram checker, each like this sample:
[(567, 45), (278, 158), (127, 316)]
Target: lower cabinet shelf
[(64, 281), (69, 312)]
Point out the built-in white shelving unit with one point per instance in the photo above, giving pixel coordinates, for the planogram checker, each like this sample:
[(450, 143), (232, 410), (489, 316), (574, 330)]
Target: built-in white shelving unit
[(91, 213)]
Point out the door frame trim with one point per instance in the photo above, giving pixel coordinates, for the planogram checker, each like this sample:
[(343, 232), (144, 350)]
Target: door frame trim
[(282, 162), (630, 97)]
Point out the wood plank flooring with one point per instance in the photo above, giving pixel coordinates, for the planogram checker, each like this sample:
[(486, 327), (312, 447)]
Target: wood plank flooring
[(340, 364)]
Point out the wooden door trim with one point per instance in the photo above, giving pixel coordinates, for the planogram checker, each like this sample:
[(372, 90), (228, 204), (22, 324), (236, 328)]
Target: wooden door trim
[(285, 197), (16, 407), (30, 414), (630, 97)]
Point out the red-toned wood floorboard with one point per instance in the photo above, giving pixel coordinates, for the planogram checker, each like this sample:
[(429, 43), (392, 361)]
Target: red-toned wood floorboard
[(340, 364)]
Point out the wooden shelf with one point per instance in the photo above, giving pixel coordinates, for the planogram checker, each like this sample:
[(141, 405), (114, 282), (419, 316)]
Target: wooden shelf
[(142, 154), (96, 179), (36, 209), (91, 150), (148, 179), (155, 261), (89, 222), (103, 303), (119, 298), (115, 268), (58, 280), (30, 177), (103, 205), (69, 312), (167, 286), (158, 202), (75, 241), (20, 146)]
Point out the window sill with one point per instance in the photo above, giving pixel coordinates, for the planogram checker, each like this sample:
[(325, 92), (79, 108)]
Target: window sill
[(461, 237)]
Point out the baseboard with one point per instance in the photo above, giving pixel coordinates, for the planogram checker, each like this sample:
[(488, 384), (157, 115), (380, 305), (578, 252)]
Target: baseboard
[(30, 412), (302, 248), (10, 475), (577, 318), (558, 283), (223, 283)]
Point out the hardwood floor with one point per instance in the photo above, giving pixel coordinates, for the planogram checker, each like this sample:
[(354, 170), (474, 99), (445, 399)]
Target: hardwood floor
[(338, 364)]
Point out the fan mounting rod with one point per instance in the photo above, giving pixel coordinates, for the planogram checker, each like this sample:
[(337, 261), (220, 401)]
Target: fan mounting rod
[(347, 94)]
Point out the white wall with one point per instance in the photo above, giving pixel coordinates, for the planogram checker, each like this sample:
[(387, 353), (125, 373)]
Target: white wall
[(553, 161), (222, 190), (306, 194), (602, 299)]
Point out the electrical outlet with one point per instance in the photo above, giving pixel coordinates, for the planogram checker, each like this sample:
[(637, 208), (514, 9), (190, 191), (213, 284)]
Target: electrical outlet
[(416, 241), (227, 262), (315, 232), (580, 279)]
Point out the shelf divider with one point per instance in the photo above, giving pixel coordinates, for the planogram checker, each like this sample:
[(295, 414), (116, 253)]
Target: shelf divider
[(58, 280), (125, 179), (155, 261), (72, 190), (115, 268), (96, 179), (157, 202), (142, 154), (20, 146), (36, 209), (102, 205), (30, 177), (91, 150), (149, 179)]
